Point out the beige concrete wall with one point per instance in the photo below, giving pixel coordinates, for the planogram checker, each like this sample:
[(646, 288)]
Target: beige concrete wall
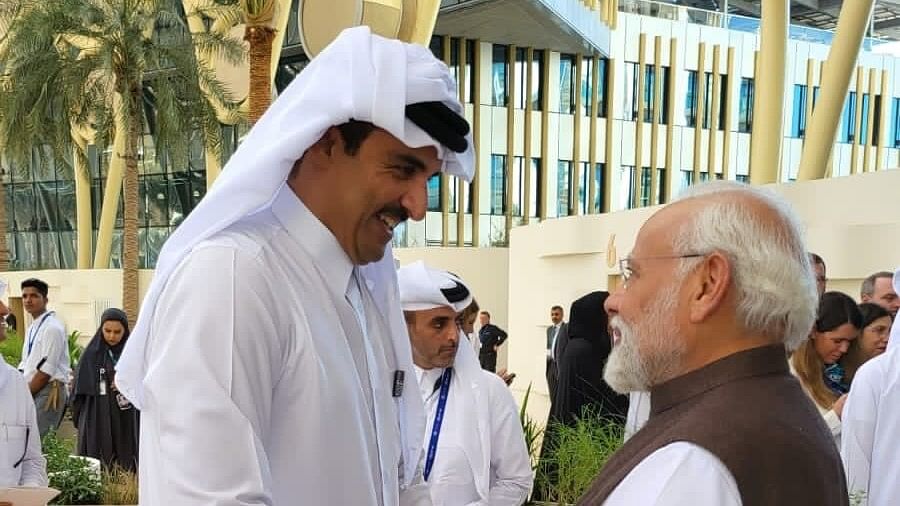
[(852, 222), (485, 271)]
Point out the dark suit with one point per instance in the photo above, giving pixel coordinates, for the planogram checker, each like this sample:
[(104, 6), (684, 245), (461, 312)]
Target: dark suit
[(490, 336), (562, 338)]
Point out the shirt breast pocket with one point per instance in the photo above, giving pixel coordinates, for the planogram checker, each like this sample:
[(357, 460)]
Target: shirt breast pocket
[(13, 442)]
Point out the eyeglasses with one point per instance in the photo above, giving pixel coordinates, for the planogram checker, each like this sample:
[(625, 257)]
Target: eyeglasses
[(625, 263)]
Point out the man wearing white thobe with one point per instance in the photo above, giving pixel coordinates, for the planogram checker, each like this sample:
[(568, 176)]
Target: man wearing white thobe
[(270, 360), (475, 449), (20, 441), (871, 423)]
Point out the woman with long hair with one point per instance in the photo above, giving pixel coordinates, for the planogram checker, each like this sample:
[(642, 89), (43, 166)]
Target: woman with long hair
[(815, 363), (107, 422), (872, 341)]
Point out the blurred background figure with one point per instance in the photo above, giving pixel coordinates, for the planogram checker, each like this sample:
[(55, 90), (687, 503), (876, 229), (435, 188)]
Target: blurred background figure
[(107, 422), (815, 362), (872, 340)]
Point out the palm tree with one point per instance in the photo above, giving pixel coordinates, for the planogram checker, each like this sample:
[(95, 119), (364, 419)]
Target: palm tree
[(114, 68), (259, 15)]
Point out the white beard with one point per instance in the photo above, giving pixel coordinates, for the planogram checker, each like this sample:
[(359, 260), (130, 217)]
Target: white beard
[(648, 352)]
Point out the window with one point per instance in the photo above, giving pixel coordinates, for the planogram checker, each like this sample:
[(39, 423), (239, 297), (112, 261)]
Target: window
[(587, 81), (690, 107), (690, 102), (500, 75), (798, 122), (626, 186), (586, 89), (518, 186), (537, 83), (498, 184), (521, 78), (895, 122), (650, 94), (745, 105), (535, 190), (566, 83), (434, 193), (563, 187), (849, 118), (437, 49), (597, 181), (583, 186)]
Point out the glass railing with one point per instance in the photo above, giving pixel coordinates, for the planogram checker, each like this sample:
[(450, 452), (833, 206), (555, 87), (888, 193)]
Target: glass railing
[(704, 17)]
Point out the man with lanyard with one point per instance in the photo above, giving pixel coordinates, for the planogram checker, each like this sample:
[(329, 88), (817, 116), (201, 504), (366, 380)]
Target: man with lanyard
[(45, 356), (270, 356), (475, 449)]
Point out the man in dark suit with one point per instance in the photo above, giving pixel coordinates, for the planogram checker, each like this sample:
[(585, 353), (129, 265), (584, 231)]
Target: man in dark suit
[(557, 337), (491, 337)]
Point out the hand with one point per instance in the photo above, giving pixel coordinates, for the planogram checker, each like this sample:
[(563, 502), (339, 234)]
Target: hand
[(838, 405), (507, 377)]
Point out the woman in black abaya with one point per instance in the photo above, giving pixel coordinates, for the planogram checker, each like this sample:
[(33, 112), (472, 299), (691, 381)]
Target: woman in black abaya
[(581, 383), (107, 423)]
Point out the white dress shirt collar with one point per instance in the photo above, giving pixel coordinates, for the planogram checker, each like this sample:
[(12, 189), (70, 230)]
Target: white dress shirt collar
[(314, 237)]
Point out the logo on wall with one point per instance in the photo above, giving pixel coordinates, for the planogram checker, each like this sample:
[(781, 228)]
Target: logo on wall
[(611, 256), (321, 21)]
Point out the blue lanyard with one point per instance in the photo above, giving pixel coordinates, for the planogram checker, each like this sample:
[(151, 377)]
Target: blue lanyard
[(33, 335), (438, 420)]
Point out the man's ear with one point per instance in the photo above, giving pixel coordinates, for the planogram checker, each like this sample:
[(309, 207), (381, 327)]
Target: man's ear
[(712, 285)]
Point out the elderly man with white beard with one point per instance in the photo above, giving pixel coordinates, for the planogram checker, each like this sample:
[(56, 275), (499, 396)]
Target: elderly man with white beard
[(717, 286)]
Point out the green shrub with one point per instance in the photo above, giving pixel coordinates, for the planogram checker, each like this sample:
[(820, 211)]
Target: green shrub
[(75, 349), (532, 430), (576, 456), (73, 477), (11, 348)]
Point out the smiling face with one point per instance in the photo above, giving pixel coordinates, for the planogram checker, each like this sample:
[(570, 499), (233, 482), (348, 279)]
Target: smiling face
[(434, 336), (361, 194), (831, 345)]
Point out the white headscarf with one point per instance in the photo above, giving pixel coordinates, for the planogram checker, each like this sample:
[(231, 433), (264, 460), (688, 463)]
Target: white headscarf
[(360, 76), (421, 288)]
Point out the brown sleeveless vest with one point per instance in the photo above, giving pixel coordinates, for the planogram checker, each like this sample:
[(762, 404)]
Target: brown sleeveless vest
[(747, 410)]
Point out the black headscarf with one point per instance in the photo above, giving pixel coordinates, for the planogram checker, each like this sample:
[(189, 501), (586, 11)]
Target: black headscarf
[(95, 356), (581, 383)]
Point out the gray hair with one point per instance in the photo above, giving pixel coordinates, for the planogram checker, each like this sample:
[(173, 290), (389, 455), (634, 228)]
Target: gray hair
[(868, 285), (771, 271)]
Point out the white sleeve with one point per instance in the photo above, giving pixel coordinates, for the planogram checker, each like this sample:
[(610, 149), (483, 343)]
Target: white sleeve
[(511, 475), (55, 347), (212, 367), (34, 465), (832, 420), (858, 438), (678, 474)]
